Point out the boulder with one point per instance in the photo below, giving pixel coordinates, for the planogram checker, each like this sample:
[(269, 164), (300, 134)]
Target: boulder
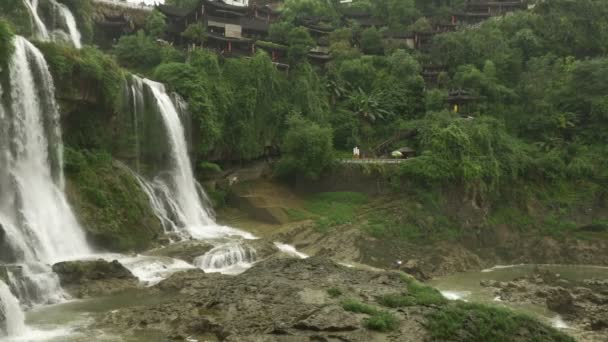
[(414, 268), (94, 278), (184, 250), (561, 301)]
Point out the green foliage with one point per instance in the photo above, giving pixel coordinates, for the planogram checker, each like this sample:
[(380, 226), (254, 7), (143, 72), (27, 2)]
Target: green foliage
[(417, 294), (382, 321), (334, 292), (156, 24), (300, 42), (17, 15), (109, 201), (477, 153), (79, 72), (138, 51), (332, 209), (371, 41), (195, 33), (353, 305), (461, 321), (307, 149), (83, 12), (6, 43), (398, 13)]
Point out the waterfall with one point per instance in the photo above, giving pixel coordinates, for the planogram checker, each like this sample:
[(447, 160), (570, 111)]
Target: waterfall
[(40, 221), (70, 22), (68, 28), (37, 225), (231, 257), (12, 318), (175, 195), (41, 31)]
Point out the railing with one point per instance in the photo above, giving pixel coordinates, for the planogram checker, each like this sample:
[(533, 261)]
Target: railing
[(374, 161)]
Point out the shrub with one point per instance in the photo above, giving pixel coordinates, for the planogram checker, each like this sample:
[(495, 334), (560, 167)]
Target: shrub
[(334, 292), (353, 305), (307, 147), (382, 321), (479, 323), (138, 51)]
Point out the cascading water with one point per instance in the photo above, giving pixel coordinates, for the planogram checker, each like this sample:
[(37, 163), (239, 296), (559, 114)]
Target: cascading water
[(12, 318), (37, 225), (228, 258), (41, 31), (70, 22), (66, 29), (178, 200), (174, 193), (40, 222)]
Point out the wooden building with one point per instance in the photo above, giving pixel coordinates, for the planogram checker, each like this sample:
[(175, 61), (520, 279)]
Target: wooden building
[(461, 101), (477, 11)]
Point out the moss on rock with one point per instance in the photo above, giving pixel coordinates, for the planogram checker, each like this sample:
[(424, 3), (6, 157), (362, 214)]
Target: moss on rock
[(17, 15), (110, 204)]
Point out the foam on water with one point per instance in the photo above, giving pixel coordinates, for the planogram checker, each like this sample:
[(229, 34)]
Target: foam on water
[(290, 250), (559, 323), (228, 258), (455, 295)]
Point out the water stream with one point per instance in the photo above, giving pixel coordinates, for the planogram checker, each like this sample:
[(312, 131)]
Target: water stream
[(64, 26), (466, 286), (37, 224)]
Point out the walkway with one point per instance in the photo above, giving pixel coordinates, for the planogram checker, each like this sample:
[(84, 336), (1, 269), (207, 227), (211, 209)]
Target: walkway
[(374, 161)]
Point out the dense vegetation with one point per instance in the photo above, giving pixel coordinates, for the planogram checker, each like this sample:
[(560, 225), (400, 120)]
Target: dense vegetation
[(523, 129)]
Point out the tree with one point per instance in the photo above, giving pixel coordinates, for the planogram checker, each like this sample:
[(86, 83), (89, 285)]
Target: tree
[(279, 32), (300, 42), (371, 42), (307, 149), (367, 106), (156, 25), (196, 33), (138, 50)]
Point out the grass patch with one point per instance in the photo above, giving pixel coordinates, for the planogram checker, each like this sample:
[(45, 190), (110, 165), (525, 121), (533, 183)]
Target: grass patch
[(417, 294), (418, 218), (353, 305), (460, 321), (298, 215), (334, 292), (379, 320), (382, 321), (330, 209)]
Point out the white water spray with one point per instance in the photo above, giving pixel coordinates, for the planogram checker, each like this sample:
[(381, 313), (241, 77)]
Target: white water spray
[(175, 195), (41, 31), (66, 15), (68, 29), (290, 250), (38, 225), (9, 307), (229, 258), (40, 222)]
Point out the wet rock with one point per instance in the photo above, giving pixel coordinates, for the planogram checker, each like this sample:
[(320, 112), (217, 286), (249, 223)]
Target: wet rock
[(94, 278), (599, 324), (184, 250), (561, 301), (330, 318), (414, 268), (275, 300)]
